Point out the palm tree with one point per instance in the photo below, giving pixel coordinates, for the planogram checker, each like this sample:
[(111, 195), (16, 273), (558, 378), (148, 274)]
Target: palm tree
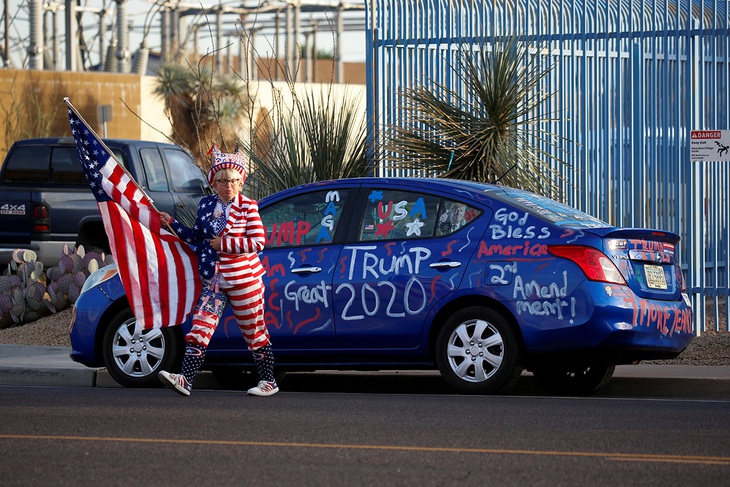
[(317, 137), (175, 85), (487, 132)]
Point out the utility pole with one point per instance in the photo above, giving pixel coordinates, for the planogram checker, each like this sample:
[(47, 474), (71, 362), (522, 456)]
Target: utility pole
[(6, 51)]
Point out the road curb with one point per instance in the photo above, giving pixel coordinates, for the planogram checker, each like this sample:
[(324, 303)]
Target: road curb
[(52, 366), (65, 377)]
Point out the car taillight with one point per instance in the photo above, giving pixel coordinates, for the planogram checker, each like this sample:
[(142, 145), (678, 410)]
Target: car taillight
[(41, 219), (682, 281), (594, 263)]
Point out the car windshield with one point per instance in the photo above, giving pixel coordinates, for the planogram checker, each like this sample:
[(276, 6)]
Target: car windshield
[(547, 209)]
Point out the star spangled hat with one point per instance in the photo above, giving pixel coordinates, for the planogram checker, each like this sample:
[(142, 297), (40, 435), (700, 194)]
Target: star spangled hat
[(225, 160)]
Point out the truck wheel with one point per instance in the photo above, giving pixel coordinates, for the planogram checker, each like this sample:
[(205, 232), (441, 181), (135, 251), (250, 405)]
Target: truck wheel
[(134, 356), (477, 352), (94, 239)]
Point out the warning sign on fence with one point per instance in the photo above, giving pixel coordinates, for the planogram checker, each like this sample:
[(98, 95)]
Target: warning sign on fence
[(709, 145)]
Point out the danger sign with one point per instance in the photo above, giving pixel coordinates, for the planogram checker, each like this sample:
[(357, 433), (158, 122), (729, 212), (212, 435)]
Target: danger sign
[(710, 145)]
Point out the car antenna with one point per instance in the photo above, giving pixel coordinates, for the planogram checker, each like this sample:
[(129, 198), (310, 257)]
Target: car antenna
[(505, 173)]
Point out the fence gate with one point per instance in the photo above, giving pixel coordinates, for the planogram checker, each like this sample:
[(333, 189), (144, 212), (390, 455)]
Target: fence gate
[(631, 79)]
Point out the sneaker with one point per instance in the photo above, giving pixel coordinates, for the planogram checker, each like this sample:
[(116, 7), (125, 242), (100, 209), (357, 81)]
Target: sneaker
[(176, 382), (264, 388)]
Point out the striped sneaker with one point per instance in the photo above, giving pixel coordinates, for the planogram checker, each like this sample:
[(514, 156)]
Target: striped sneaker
[(175, 382), (264, 388)]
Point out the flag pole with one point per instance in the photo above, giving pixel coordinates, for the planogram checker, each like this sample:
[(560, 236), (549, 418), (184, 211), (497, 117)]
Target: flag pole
[(151, 201)]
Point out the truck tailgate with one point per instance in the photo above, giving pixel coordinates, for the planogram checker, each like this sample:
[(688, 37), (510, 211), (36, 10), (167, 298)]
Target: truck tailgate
[(15, 215)]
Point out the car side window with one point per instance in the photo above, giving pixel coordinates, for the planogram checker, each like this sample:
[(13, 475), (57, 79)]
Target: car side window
[(187, 175), (304, 219), (393, 214), (454, 215), (154, 169)]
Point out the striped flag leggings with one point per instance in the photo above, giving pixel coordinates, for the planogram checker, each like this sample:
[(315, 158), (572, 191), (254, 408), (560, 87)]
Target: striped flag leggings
[(247, 301)]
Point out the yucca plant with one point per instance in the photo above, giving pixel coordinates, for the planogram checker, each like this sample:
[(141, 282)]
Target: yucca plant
[(487, 129), (315, 137)]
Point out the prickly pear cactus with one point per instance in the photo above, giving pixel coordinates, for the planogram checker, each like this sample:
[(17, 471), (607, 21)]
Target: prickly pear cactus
[(19, 276), (29, 292), (6, 304)]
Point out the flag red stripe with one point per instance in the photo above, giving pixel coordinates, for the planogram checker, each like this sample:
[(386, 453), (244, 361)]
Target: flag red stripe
[(162, 284), (131, 246)]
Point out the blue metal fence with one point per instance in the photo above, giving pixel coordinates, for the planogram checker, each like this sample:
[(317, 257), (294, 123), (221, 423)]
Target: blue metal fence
[(630, 80)]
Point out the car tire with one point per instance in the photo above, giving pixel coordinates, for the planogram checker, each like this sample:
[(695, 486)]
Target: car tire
[(133, 356), (577, 380), (477, 352)]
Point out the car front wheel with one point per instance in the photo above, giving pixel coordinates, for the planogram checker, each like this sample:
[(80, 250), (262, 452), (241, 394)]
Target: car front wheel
[(133, 356), (478, 352)]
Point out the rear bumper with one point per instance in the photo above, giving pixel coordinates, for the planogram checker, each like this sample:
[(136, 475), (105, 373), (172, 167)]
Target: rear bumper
[(615, 326)]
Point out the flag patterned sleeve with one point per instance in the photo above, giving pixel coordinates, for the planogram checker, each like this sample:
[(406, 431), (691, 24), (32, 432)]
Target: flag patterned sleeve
[(186, 234), (195, 235), (249, 239)]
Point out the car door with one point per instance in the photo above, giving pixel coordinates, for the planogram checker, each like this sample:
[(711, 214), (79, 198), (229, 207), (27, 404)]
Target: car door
[(408, 256), (299, 258)]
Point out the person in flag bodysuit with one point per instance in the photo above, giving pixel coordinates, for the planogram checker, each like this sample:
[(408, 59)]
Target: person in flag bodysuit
[(227, 235)]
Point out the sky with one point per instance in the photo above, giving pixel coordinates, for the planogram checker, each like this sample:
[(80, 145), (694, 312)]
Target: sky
[(138, 12)]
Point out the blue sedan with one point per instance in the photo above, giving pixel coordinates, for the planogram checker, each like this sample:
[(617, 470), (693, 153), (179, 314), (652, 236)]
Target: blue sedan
[(478, 281)]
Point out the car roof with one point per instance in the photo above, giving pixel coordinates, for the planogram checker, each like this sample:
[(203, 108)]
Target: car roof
[(546, 209), (449, 185)]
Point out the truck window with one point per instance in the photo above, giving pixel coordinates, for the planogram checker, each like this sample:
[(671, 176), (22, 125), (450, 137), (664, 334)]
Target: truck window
[(121, 157), (57, 164), (154, 170), (188, 176), (28, 164), (65, 166)]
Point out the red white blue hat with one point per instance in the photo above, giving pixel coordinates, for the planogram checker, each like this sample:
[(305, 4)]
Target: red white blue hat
[(225, 160)]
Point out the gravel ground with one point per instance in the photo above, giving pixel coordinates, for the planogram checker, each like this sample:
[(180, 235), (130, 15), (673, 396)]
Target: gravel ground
[(710, 348)]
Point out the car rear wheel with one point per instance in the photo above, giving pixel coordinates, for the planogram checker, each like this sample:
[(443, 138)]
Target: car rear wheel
[(579, 380), (134, 356), (477, 352)]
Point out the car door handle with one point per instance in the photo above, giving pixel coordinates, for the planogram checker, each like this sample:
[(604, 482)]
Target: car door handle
[(311, 270), (451, 263)]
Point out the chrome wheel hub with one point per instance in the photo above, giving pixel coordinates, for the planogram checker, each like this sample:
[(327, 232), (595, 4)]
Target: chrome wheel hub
[(475, 350)]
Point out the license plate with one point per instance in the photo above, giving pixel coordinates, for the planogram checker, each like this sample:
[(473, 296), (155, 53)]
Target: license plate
[(655, 277)]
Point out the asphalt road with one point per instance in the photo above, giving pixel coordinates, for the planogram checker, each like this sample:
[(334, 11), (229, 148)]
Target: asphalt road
[(115, 436)]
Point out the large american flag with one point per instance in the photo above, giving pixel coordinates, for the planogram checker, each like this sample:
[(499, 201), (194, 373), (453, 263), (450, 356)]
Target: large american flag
[(158, 270)]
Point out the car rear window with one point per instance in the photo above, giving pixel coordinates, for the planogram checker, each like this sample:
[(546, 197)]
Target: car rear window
[(549, 210)]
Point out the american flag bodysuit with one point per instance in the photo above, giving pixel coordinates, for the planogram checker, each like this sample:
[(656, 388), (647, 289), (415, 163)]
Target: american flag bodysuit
[(234, 275)]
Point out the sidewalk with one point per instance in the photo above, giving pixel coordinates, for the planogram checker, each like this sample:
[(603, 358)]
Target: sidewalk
[(51, 366)]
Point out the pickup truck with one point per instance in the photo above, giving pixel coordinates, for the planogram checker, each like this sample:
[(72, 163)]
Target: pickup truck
[(45, 200)]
